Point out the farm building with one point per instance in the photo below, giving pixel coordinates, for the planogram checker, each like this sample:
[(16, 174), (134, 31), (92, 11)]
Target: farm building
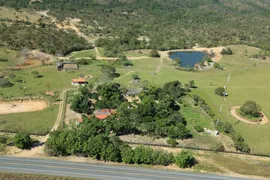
[(67, 66), (133, 92), (104, 113), (101, 114), (79, 82)]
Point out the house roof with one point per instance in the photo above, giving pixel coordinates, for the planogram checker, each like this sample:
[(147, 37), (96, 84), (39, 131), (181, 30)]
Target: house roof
[(133, 92), (79, 80), (102, 116), (104, 111)]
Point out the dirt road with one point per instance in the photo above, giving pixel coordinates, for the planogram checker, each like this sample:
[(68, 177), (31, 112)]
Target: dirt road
[(234, 114)]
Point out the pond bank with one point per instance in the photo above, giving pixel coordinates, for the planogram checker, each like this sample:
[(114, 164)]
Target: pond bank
[(216, 51)]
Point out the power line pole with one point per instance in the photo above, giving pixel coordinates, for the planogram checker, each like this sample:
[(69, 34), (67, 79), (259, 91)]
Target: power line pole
[(224, 98)]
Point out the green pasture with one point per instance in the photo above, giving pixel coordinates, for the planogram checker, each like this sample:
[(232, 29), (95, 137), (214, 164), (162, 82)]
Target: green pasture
[(84, 54), (249, 81), (39, 122)]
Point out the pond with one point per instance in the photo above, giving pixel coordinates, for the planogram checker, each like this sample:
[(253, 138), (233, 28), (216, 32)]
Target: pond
[(188, 59)]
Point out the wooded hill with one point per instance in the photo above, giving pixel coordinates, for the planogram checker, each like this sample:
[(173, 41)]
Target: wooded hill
[(169, 24)]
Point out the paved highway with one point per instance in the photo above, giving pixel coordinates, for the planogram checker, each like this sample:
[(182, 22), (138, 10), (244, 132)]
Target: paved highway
[(97, 171)]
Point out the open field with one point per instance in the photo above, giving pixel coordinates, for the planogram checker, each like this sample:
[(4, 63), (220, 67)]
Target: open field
[(20, 107), (39, 122)]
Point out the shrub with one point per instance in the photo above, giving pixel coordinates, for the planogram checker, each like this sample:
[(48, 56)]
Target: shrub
[(198, 128), (3, 139), (218, 147), (23, 141), (226, 51), (3, 60), (154, 53), (135, 77), (219, 91), (250, 108), (83, 61), (184, 159), (35, 74), (172, 142), (217, 66), (4, 83)]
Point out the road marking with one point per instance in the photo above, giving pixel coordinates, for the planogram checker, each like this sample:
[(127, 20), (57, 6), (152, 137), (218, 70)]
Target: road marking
[(71, 174), (103, 171)]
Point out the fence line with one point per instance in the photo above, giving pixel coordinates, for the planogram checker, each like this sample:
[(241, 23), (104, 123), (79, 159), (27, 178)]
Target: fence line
[(194, 148)]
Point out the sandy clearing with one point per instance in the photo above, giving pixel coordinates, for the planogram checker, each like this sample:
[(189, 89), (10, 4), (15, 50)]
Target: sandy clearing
[(216, 50), (234, 114), (21, 106)]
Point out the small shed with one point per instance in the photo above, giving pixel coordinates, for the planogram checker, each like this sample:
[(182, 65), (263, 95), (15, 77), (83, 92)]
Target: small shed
[(67, 66)]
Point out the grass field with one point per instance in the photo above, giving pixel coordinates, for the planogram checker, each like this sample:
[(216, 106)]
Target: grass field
[(249, 81), (39, 122), (135, 54), (245, 165), (81, 54)]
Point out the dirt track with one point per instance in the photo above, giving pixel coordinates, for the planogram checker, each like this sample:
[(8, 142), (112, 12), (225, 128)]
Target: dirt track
[(20, 107), (234, 114)]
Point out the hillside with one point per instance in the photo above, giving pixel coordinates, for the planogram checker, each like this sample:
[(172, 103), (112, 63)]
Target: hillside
[(168, 24)]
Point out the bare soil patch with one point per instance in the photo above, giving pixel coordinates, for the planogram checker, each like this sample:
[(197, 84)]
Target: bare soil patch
[(21, 106), (234, 114)]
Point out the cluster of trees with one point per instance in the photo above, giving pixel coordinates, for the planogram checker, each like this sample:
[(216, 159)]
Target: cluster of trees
[(201, 102), (109, 72), (227, 51), (48, 39), (123, 61), (239, 142), (23, 140), (250, 109), (156, 113), (220, 91), (221, 23), (93, 139)]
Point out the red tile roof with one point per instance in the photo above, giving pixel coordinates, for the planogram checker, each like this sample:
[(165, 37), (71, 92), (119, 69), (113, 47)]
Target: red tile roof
[(80, 80)]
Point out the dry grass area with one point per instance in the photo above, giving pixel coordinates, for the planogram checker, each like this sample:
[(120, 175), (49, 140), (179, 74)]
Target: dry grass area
[(13, 176), (21, 106)]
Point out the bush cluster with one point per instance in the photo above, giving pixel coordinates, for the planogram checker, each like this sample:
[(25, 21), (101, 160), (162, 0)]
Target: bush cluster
[(201, 102), (93, 139), (239, 142)]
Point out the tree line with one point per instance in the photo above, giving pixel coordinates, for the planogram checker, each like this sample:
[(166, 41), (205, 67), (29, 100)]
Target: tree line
[(93, 139)]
